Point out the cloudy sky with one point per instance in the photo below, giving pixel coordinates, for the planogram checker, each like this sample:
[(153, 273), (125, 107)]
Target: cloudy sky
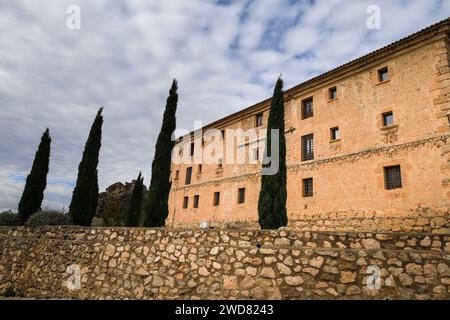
[(226, 55)]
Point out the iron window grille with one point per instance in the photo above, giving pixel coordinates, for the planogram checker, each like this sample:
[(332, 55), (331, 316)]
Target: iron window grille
[(188, 175), (196, 200), (307, 108), (308, 190), (241, 195), (308, 147), (392, 177), (216, 198)]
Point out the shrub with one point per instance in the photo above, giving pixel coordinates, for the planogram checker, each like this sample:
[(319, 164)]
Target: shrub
[(49, 218), (9, 292), (9, 218)]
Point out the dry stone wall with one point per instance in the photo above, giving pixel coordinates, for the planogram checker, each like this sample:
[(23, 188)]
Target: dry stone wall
[(121, 263)]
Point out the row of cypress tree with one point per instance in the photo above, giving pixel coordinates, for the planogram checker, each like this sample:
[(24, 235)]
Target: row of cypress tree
[(82, 209)]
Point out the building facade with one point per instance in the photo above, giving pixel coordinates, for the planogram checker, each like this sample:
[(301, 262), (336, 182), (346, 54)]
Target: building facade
[(371, 137)]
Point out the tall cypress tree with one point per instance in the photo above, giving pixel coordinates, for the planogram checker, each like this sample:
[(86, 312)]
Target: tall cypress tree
[(85, 195), (157, 210), (33, 193), (135, 206), (273, 194)]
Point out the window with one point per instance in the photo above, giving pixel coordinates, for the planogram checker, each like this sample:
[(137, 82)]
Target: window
[(185, 202), (177, 174), (188, 175), (308, 187), (241, 195), (307, 108), (392, 177), (332, 93), (308, 147), (335, 134), (192, 149), (383, 74), (222, 132), (388, 119), (216, 198), (259, 120), (196, 199), (200, 168)]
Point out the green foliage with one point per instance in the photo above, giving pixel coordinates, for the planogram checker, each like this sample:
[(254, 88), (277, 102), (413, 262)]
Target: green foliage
[(135, 206), (9, 292), (33, 193), (113, 214), (49, 218), (10, 219), (85, 195), (273, 194), (156, 210)]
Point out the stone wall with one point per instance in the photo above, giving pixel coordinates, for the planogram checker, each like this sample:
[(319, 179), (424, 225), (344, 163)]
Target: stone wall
[(427, 220), (118, 263)]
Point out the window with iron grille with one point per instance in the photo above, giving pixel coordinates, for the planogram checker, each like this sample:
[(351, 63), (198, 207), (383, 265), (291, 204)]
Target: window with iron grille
[(216, 198), (393, 177), (185, 202), (241, 195), (383, 74), (200, 168), (259, 120), (307, 108), (177, 174), (335, 133), (308, 190), (188, 175), (308, 147), (196, 199), (388, 118), (332, 93)]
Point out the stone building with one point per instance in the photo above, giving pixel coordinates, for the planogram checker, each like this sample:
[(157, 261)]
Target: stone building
[(369, 140)]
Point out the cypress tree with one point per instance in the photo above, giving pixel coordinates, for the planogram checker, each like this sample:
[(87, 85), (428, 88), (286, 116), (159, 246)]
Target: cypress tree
[(157, 210), (85, 195), (273, 194), (33, 193), (135, 206)]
